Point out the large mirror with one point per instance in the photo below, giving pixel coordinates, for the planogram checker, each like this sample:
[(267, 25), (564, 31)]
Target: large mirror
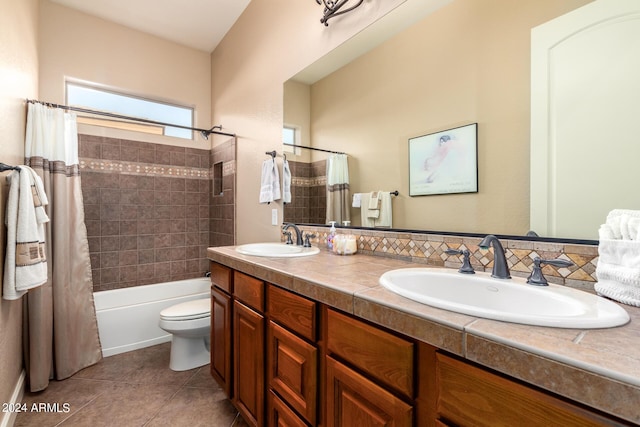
[(466, 62)]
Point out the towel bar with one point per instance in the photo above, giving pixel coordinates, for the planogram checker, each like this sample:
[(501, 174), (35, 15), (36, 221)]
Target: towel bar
[(5, 167)]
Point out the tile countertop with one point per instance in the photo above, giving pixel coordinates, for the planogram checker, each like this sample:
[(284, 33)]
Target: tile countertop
[(598, 367)]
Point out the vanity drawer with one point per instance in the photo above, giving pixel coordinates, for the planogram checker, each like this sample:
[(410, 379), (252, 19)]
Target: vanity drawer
[(221, 277), (292, 311), (249, 290), (469, 395), (381, 355)]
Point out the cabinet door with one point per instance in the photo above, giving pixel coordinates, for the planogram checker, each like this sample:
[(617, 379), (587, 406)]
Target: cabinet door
[(293, 370), (221, 339), (353, 400), (248, 362), (280, 415)]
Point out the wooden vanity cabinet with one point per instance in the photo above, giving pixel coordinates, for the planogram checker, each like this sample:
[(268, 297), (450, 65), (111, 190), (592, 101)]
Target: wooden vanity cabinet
[(468, 395), (220, 340), (286, 360), (220, 347), (248, 348), (280, 415), (292, 357)]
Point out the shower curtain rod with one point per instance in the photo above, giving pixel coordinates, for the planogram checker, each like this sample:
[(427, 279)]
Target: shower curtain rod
[(204, 132), (314, 148)]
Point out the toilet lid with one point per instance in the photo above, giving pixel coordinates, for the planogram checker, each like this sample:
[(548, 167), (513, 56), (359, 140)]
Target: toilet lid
[(194, 309)]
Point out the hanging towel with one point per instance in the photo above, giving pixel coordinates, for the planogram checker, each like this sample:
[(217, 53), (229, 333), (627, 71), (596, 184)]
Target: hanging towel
[(618, 269), (270, 182), (385, 218), (25, 259), (364, 211), (357, 200), (373, 207), (286, 182)]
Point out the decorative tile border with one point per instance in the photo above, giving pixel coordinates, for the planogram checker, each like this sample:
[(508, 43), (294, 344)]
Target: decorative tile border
[(136, 168), (430, 249)]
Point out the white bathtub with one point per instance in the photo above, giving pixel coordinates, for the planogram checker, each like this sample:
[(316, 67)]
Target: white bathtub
[(128, 318)]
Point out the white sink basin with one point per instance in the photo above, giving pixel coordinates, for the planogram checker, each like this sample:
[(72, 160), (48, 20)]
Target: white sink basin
[(278, 250), (511, 300)]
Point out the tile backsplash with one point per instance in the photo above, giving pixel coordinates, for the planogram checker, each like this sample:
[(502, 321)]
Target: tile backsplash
[(429, 248)]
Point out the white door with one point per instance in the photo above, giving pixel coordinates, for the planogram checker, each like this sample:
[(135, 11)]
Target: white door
[(585, 118)]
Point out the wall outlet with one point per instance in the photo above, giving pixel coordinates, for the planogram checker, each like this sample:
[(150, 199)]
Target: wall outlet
[(274, 216)]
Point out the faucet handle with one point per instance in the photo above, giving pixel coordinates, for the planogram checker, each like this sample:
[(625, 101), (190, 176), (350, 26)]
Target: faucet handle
[(307, 244), (289, 240), (536, 277), (466, 264)]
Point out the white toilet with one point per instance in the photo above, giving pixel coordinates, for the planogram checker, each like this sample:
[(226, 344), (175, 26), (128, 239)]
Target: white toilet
[(190, 323)]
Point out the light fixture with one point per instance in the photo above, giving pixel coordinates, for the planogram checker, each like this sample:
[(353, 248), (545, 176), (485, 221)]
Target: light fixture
[(332, 8)]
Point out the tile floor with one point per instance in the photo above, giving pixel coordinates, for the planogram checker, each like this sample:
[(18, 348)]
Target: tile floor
[(134, 389)]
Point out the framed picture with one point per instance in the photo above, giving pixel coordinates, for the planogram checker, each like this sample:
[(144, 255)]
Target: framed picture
[(445, 162)]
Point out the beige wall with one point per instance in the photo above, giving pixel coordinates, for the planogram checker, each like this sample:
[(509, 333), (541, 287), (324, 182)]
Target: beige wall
[(272, 41), (297, 113), (79, 46), (467, 62), (18, 80)]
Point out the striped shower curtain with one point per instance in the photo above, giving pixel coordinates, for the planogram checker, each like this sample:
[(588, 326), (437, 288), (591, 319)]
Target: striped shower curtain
[(60, 330), (338, 196)]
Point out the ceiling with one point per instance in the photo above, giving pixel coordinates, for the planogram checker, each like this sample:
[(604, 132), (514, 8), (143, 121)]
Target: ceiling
[(200, 24)]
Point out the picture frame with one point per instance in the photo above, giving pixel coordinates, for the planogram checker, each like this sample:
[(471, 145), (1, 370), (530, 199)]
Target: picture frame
[(444, 162)]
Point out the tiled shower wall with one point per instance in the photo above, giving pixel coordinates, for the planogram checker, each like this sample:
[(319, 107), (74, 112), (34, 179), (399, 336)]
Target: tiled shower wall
[(222, 223), (148, 211), (308, 193)]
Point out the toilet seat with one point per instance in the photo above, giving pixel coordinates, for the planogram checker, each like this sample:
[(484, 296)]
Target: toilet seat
[(190, 310)]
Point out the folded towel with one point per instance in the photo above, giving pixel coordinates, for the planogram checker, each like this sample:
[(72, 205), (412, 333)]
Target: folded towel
[(357, 200), (374, 201), (270, 182), (618, 271), (618, 268), (25, 259), (374, 204), (286, 182), (623, 224)]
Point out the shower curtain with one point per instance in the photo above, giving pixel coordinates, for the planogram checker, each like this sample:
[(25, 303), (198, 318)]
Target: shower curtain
[(338, 197), (60, 326)]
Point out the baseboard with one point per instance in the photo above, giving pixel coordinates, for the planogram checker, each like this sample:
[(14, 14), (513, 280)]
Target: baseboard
[(106, 352), (9, 418)]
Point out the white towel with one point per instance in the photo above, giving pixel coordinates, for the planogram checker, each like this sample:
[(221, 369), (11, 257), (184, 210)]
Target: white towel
[(25, 259), (385, 217), (270, 182), (286, 182), (618, 269), (364, 212), (373, 206), (357, 200)]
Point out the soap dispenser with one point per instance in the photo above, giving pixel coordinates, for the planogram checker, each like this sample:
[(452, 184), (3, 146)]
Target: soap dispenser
[(331, 235)]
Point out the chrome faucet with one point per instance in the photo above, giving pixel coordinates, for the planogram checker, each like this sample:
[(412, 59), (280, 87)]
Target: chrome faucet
[(500, 267), (298, 232)]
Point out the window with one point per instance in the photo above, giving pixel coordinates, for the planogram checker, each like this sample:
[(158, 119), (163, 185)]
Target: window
[(85, 96), (290, 137)]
